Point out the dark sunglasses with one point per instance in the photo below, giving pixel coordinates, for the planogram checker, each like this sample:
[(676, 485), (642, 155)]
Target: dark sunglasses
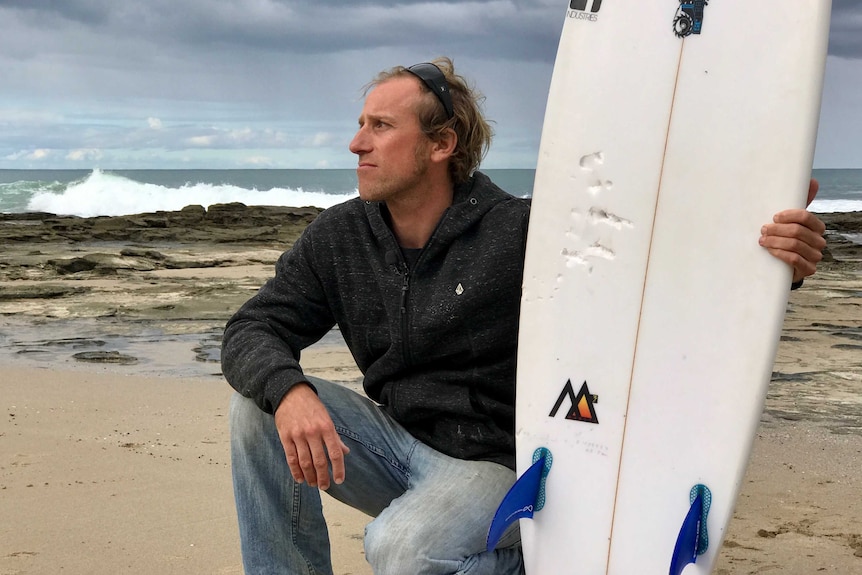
[(436, 82)]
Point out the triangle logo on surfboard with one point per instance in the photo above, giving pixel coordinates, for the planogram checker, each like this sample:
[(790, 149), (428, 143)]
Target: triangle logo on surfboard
[(582, 404)]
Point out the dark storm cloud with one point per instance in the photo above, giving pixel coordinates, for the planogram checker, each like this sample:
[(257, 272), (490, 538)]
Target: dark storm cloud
[(87, 11), (492, 29), (222, 32)]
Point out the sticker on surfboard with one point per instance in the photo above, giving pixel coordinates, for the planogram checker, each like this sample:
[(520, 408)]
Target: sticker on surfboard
[(689, 17), (582, 404), (584, 10)]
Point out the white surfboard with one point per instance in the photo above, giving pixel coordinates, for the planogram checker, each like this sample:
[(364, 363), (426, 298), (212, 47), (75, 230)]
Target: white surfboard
[(650, 315)]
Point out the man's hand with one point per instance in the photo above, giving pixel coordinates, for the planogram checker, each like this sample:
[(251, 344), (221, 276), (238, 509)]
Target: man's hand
[(309, 438), (796, 238)]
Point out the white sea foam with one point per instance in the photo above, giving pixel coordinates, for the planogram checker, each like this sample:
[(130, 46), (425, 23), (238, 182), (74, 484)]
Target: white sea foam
[(102, 194), (107, 193), (829, 206)]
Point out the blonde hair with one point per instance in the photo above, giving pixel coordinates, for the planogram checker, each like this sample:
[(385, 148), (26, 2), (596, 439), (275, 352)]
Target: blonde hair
[(474, 132)]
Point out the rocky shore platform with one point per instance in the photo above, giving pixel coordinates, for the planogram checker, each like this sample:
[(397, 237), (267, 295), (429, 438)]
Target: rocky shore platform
[(56, 266)]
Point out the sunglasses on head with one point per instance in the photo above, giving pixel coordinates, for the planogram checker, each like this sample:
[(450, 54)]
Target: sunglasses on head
[(436, 82)]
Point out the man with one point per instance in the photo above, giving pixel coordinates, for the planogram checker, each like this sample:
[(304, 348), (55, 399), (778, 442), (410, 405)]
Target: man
[(397, 269)]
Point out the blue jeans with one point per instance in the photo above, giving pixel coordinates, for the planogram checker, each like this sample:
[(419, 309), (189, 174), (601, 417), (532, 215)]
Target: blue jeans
[(431, 511)]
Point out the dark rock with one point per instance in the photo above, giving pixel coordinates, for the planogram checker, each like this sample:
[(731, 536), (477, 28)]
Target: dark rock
[(71, 266), (220, 223), (143, 253), (105, 264), (195, 264), (38, 291), (840, 248), (25, 217), (105, 357), (844, 222)]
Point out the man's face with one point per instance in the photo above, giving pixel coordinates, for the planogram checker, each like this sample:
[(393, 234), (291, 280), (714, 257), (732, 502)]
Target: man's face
[(393, 151)]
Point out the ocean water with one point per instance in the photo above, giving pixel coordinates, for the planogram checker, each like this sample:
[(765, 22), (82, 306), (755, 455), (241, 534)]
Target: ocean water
[(96, 192)]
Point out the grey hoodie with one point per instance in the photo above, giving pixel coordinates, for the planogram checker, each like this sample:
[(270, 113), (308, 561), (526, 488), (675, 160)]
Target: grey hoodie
[(436, 342)]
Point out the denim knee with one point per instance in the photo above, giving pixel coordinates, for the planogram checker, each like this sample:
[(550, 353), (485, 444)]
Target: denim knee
[(392, 551)]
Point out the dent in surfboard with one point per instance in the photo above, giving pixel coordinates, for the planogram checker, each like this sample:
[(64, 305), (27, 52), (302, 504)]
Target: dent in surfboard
[(591, 161), (525, 497), (593, 217), (693, 539), (600, 186), (600, 216), (596, 216), (579, 257)]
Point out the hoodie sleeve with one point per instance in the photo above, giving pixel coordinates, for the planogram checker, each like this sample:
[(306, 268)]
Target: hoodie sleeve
[(263, 340)]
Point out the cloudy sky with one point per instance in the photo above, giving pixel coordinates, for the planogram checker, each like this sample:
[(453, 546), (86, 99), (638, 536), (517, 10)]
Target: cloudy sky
[(276, 83)]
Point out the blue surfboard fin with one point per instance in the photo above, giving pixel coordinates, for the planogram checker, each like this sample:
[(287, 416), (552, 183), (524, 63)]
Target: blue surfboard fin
[(524, 498), (693, 539)]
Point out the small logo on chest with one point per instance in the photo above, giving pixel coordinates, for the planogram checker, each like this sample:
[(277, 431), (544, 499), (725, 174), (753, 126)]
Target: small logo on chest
[(459, 290)]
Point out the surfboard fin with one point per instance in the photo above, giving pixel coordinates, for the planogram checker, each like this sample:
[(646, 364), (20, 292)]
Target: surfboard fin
[(524, 498), (693, 539)]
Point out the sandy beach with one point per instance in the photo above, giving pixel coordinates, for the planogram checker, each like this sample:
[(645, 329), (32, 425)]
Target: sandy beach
[(114, 454)]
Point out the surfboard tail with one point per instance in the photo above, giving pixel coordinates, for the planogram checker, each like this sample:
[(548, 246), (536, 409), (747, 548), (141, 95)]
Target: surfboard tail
[(524, 498)]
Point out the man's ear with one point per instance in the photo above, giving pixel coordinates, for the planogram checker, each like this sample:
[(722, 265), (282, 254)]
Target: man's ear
[(444, 146)]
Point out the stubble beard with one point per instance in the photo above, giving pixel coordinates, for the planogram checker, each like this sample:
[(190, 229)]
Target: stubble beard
[(394, 187)]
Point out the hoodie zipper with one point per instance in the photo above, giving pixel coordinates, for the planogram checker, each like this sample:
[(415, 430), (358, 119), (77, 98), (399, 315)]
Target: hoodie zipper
[(405, 316)]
